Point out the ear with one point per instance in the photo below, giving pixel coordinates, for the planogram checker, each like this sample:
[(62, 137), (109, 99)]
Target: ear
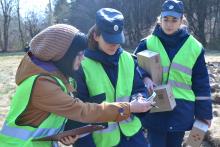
[(96, 37)]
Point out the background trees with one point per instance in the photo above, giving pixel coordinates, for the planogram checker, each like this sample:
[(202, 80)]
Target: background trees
[(140, 15)]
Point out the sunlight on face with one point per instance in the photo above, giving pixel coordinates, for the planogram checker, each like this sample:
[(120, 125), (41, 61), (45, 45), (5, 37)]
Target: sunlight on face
[(107, 48), (170, 24)]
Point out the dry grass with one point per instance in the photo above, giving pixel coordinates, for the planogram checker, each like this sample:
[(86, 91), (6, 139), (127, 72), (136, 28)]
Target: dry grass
[(8, 65), (212, 56)]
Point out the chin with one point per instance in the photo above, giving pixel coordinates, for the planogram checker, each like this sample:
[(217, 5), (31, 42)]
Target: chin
[(111, 53), (169, 32)]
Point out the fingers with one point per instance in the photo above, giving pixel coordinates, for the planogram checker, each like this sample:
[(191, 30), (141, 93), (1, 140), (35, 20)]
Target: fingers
[(140, 105), (208, 122), (149, 84), (148, 106), (144, 107), (139, 96), (149, 88), (68, 140), (153, 102)]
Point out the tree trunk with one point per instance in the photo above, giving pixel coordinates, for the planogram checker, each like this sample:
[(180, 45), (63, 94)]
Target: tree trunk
[(5, 33), (19, 25), (6, 10), (50, 13)]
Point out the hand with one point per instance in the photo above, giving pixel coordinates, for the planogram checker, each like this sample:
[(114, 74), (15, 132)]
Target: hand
[(69, 140), (208, 122), (149, 84), (140, 105)]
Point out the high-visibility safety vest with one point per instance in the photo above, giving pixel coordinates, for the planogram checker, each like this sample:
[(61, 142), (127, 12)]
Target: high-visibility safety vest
[(178, 73), (98, 82), (13, 135)]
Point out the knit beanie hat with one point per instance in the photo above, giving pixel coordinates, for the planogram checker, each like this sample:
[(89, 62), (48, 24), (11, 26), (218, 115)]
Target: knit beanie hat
[(65, 64), (52, 43)]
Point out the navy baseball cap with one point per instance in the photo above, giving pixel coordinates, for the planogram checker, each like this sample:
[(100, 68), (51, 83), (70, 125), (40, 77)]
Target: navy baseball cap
[(110, 22), (173, 8)]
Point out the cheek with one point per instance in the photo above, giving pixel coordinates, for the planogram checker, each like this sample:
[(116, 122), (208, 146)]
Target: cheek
[(163, 26), (103, 46), (80, 59), (74, 63), (178, 25)]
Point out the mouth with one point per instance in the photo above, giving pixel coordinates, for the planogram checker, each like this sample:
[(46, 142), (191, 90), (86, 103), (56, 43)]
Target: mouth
[(112, 49), (169, 30)]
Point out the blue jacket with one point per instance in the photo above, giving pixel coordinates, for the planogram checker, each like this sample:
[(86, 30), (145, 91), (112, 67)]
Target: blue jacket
[(110, 65), (182, 117)]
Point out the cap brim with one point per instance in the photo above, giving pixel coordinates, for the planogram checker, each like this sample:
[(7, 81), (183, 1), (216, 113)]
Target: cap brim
[(171, 13), (113, 38)]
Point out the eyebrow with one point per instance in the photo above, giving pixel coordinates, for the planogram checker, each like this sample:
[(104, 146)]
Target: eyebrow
[(171, 17)]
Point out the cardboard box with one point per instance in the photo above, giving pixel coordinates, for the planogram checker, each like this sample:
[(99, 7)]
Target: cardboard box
[(197, 134), (150, 62), (164, 99)]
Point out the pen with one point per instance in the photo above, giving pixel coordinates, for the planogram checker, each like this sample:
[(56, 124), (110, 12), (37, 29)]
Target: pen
[(154, 106)]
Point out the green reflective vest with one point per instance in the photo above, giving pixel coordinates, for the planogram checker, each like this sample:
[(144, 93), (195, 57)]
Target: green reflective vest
[(13, 135), (98, 82), (178, 73)]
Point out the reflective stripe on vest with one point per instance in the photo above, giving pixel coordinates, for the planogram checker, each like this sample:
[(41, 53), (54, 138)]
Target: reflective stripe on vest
[(111, 135), (112, 126), (23, 135), (178, 73), (203, 98)]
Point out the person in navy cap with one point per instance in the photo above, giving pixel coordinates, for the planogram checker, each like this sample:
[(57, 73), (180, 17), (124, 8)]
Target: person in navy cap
[(184, 68), (108, 74)]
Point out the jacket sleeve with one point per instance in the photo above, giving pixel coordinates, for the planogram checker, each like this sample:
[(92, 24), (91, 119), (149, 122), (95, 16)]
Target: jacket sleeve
[(82, 89), (139, 48), (201, 89), (138, 85), (49, 97)]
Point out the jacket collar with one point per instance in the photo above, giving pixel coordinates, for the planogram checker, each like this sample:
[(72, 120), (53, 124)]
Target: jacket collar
[(103, 58)]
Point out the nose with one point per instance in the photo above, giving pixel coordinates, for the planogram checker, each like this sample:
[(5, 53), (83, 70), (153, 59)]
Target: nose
[(169, 24), (114, 46)]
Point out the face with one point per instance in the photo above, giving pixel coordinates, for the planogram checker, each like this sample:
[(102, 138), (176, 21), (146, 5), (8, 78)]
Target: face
[(77, 60), (107, 48), (170, 24)]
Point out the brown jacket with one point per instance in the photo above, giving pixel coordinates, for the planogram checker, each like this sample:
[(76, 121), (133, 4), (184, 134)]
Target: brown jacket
[(47, 97)]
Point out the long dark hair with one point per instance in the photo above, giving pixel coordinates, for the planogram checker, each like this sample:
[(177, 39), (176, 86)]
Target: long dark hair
[(92, 43)]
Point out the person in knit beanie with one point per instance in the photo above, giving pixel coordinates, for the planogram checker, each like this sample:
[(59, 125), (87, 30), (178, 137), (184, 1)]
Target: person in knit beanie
[(43, 99), (59, 44)]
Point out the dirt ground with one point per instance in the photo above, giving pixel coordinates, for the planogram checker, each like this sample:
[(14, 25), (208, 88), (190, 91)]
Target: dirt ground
[(10, 61)]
